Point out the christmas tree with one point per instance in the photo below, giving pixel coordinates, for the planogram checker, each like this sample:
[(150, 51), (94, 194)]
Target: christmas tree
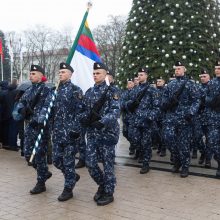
[(158, 33)]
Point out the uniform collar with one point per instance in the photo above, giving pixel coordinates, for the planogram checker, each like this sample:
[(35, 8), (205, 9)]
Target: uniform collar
[(96, 86), (37, 84), (180, 77), (66, 82), (143, 84)]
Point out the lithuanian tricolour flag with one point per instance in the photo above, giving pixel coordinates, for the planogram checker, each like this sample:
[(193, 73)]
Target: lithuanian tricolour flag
[(82, 56)]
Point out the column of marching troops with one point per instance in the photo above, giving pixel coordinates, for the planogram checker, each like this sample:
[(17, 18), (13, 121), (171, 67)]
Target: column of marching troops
[(178, 116)]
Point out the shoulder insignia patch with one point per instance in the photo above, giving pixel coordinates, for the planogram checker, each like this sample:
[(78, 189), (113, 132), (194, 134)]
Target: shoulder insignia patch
[(80, 96), (115, 96)]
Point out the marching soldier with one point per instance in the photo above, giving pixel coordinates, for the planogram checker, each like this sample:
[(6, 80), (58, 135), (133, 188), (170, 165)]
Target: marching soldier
[(126, 115), (160, 86), (200, 123), (32, 102), (65, 128), (100, 118), (213, 109), (181, 102), (144, 105)]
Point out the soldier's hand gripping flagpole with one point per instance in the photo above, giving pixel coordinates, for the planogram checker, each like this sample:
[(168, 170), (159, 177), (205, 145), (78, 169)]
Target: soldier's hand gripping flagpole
[(45, 122)]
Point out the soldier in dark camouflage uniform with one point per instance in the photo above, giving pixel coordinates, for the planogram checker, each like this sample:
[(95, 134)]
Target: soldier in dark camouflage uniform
[(102, 133), (180, 102), (33, 100), (65, 128), (213, 110)]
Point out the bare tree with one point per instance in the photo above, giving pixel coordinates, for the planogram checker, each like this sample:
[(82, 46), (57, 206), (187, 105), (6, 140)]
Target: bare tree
[(18, 45), (40, 45), (109, 39)]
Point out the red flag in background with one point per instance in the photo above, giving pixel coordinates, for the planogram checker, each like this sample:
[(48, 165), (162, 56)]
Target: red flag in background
[(1, 49)]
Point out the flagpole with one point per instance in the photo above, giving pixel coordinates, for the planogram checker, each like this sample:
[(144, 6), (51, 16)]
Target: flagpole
[(73, 48), (2, 67), (11, 70), (21, 76)]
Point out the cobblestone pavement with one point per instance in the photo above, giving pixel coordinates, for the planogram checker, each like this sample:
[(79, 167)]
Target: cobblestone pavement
[(156, 195)]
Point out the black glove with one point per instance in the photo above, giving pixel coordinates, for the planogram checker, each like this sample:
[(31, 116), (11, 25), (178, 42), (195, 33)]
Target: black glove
[(33, 124), (74, 135), (41, 125), (149, 121), (132, 106), (97, 124), (94, 116), (85, 122), (188, 117), (22, 111), (29, 111)]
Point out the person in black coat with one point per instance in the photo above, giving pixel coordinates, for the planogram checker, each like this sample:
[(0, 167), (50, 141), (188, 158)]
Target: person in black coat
[(12, 125), (3, 122)]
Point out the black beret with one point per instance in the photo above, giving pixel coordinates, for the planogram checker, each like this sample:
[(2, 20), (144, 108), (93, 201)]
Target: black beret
[(179, 63), (37, 68), (98, 65), (129, 80), (109, 72), (217, 63), (143, 69), (203, 71), (66, 66)]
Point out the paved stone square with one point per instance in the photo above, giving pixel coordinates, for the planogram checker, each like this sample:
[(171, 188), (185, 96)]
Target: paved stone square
[(156, 195)]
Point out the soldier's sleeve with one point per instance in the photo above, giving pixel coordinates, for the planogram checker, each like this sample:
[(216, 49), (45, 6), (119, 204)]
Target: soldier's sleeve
[(154, 112), (85, 105), (79, 109), (209, 95), (24, 98), (113, 112), (43, 97), (47, 105), (123, 99), (165, 100), (132, 97), (195, 97)]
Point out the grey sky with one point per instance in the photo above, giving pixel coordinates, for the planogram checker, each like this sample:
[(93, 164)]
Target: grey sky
[(17, 15)]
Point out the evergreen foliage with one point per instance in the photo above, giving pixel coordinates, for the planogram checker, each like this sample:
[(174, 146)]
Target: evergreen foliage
[(161, 32)]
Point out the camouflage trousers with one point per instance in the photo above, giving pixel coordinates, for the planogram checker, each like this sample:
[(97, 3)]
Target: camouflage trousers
[(96, 150), (40, 159), (64, 160), (142, 137), (178, 140), (213, 141)]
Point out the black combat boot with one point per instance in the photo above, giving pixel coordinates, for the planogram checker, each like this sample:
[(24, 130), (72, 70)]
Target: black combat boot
[(77, 177), (105, 199), (136, 155), (39, 188), (99, 193), (49, 159), (66, 195), (208, 163), (48, 175), (202, 158), (218, 171), (141, 157), (80, 164), (145, 169), (194, 154), (171, 159), (184, 172), (163, 153), (132, 152), (176, 167)]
